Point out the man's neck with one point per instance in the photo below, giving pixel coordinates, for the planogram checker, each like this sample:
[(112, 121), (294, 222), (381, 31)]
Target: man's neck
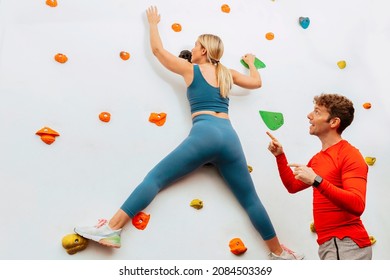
[(330, 140)]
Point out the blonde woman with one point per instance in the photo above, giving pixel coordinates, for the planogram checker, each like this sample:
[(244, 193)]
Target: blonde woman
[(212, 139)]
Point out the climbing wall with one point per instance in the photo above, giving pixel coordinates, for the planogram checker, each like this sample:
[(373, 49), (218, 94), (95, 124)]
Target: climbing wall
[(86, 111)]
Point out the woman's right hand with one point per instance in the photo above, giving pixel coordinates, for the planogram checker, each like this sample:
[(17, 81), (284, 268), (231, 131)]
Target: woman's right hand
[(249, 58), (153, 16)]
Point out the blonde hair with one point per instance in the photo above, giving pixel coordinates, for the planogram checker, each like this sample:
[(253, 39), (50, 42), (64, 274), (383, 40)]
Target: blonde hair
[(214, 47)]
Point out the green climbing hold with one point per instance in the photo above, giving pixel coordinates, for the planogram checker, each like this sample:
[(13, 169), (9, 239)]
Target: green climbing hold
[(258, 63), (272, 120)]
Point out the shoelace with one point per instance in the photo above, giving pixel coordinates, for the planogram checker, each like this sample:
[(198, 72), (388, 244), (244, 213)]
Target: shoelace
[(288, 250), (101, 222)]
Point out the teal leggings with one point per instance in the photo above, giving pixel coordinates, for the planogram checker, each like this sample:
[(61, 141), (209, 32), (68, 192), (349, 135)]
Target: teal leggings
[(211, 140)]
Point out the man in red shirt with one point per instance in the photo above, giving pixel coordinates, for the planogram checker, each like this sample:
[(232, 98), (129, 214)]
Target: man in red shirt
[(338, 177)]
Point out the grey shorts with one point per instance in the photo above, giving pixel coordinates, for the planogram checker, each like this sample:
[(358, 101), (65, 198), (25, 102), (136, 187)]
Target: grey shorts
[(344, 249)]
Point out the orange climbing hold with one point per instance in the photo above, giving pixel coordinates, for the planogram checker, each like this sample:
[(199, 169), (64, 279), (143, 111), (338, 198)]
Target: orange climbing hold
[(105, 116), (269, 36), (47, 134), (237, 247), (367, 105), (52, 3), (61, 58), (124, 55), (225, 8), (158, 118), (141, 220), (176, 27)]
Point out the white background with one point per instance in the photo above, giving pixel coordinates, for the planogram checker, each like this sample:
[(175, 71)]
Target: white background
[(93, 166)]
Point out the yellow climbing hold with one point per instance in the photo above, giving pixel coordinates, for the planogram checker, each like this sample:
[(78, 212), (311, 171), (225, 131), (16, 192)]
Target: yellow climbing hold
[(372, 239), (370, 160), (342, 64), (312, 227), (74, 243), (250, 168), (196, 203)]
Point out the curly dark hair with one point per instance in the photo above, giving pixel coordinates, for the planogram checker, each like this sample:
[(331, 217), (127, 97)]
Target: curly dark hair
[(338, 106), (186, 54)]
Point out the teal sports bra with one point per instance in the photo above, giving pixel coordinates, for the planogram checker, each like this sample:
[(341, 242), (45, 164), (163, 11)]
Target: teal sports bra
[(204, 97)]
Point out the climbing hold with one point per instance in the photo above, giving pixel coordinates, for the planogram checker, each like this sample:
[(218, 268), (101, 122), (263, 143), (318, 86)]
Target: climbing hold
[(370, 160), (342, 64), (258, 63), (237, 247), (140, 220), (176, 27), (372, 240), (52, 3), (312, 227), (61, 58), (196, 203), (272, 120), (124, 55), (367, 105), (225, 8), (270, 36), (74, 243), (47, 134), (158, 118), (304, 22), (250, 168), (105, 116)]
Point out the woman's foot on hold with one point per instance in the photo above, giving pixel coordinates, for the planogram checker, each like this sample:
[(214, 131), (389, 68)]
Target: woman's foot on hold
[(101, 233)]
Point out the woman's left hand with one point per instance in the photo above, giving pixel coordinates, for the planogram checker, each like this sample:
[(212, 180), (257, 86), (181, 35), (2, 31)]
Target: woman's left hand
[(153, 16)]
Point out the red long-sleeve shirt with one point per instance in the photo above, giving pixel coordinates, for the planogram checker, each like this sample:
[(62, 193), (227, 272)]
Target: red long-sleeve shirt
[(339, 201)]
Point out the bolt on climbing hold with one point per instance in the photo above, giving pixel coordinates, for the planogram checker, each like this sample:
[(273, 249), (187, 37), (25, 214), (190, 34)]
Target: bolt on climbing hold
[(47, 135), (370, 160), (74, 243), (176, 27), (105, 116), (225, 8), (342, 64), (196, 203), (140, 220), (304, 22), (237, 247), (51, 3), (269, 36), (367, 105), (273, 120), (158, 118), (60, 58), (124, 55)]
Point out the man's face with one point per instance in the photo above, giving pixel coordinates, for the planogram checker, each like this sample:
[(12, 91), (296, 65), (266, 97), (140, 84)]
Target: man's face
[(319, 121)]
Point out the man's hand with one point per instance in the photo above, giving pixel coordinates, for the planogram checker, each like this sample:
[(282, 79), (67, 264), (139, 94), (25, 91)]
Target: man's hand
[(274, 146), (303, 173)]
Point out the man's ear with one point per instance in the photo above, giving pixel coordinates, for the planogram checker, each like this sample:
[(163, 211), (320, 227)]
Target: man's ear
[(335, 122)]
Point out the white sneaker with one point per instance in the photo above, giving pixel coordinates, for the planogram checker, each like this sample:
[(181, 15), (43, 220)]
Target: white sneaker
[(287, 254), (101, 233)]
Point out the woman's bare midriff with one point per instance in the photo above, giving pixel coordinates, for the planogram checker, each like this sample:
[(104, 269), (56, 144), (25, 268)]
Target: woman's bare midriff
[(215, 114)]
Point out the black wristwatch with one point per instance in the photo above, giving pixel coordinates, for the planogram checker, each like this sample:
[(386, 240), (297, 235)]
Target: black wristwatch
[(317, 181)]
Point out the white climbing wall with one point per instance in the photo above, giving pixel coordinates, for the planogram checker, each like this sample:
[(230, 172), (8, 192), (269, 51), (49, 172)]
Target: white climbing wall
[(91, 168)]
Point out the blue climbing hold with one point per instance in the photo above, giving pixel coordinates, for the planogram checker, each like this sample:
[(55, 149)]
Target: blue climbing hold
[(304, 22)]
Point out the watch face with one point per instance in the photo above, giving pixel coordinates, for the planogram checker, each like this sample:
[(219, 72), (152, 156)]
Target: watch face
[(317, 181)]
